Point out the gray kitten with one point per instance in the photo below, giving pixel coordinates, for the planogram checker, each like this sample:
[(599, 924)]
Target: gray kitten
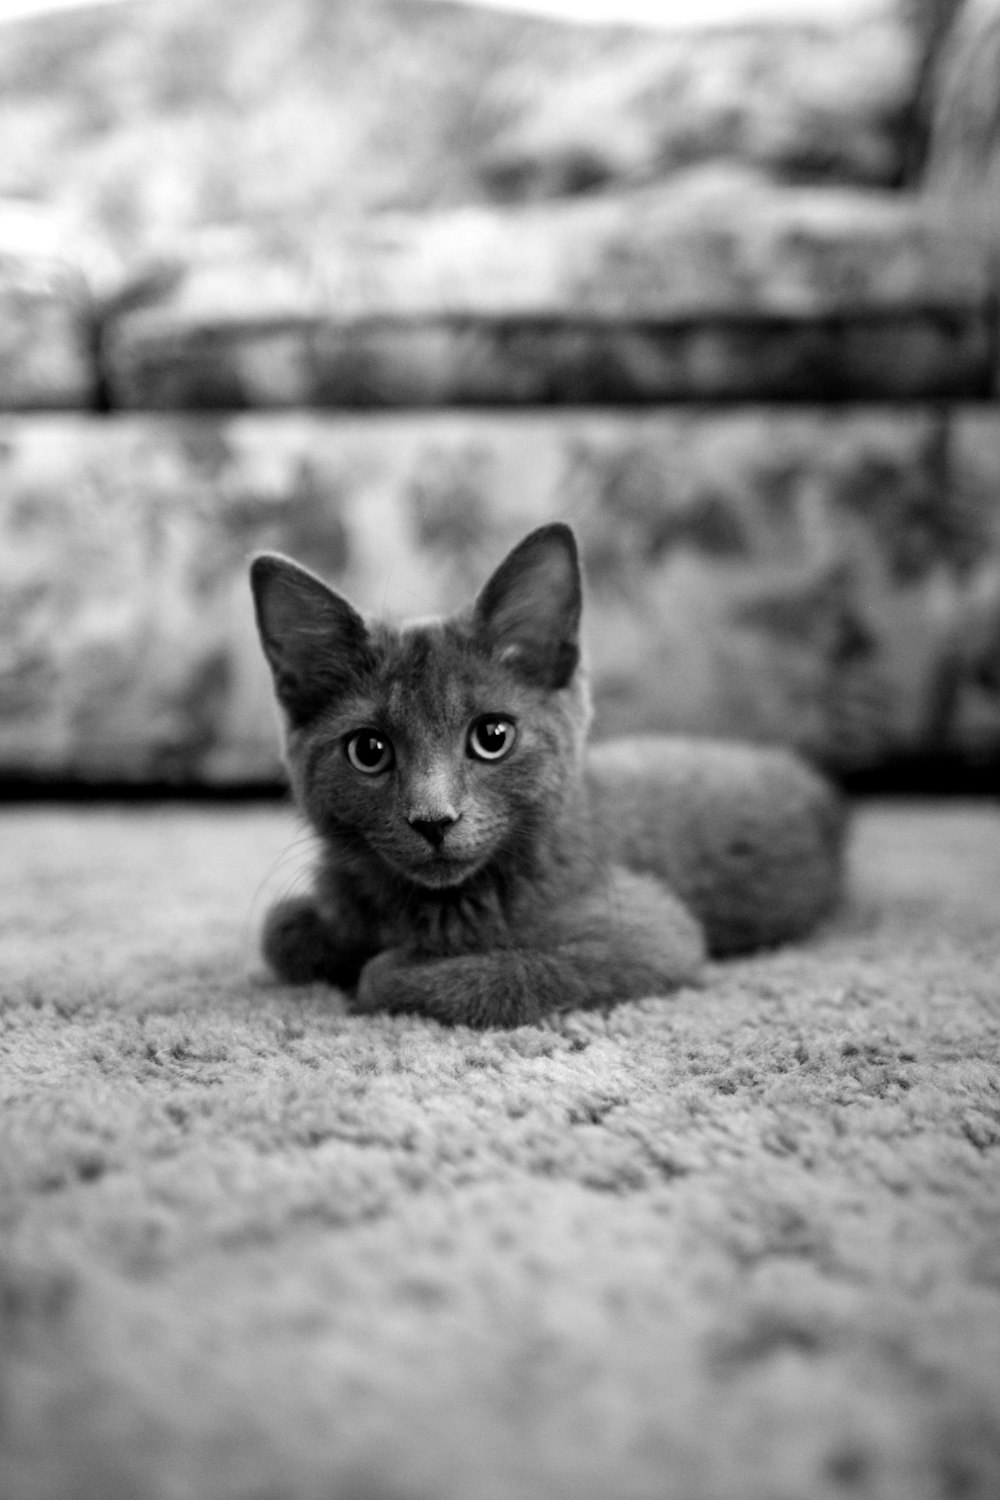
[(479, 863)]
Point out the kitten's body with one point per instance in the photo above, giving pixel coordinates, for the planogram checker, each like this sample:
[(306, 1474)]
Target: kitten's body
[(493, 869)]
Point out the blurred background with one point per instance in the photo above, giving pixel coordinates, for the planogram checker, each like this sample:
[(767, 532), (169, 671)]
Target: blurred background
[(384, 283)]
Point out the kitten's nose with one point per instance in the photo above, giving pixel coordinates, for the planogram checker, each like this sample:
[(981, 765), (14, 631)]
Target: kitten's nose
[(434, 829)]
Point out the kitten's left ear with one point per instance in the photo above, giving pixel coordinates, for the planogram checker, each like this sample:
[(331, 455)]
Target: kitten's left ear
[(529, 611)]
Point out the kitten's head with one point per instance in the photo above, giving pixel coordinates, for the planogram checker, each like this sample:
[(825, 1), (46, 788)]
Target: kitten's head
[(431, 750)]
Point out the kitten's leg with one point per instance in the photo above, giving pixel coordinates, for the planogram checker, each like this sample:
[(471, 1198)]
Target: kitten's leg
[(632, 938), (300, 946)]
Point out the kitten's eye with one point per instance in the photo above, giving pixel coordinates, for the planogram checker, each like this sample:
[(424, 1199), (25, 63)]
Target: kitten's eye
[(491, 738), (368, 752)]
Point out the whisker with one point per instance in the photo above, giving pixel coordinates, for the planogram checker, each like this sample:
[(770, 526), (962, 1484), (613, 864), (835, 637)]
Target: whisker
[(292, 880), (385, 586)]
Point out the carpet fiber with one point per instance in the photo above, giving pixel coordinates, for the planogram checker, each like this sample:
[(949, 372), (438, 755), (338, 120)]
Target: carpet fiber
[(738, 1244)]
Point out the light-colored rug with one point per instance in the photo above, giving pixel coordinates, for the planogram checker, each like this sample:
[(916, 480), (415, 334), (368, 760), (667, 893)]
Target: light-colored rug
[(738, 1244)]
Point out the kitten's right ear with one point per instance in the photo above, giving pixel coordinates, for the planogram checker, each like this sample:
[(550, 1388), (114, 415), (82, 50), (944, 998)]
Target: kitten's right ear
[(314, 641)]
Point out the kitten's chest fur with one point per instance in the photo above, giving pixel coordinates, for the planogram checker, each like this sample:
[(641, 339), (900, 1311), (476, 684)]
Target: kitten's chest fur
[(485, 915)]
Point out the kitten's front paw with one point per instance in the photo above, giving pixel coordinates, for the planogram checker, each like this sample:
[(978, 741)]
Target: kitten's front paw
[(378, 987), (300, 948), (292, 941)]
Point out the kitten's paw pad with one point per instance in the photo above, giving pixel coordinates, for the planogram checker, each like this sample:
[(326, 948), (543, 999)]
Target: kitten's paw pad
[(295, 941)]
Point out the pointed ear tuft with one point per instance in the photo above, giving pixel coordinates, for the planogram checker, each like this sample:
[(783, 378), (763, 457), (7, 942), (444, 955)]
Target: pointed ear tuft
[(315, 643), (529, 611)]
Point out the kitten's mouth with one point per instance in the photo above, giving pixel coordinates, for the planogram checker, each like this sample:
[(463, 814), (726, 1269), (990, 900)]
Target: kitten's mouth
[(443, 870)]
